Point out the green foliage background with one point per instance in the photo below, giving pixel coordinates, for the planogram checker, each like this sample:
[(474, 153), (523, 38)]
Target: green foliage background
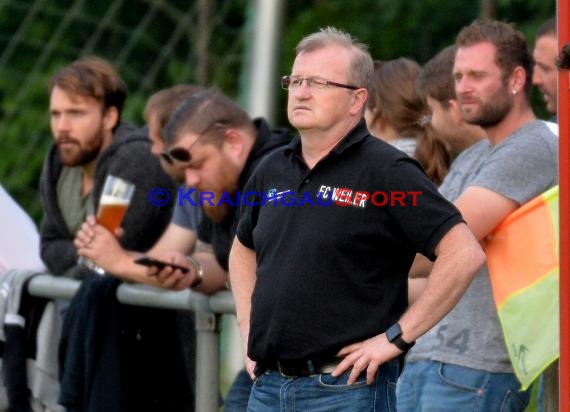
[(37, 37)]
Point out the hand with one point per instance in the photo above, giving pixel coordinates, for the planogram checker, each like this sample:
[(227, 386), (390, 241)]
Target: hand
[(171, 278), (98, 244), (250, 367), (368, 354), (86, 233), (249, 364)]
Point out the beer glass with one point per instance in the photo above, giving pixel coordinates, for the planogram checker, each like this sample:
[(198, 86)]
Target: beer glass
[(115, 199)]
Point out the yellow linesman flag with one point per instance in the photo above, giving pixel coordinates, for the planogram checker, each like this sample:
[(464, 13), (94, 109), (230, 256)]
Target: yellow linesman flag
[(523, 260)]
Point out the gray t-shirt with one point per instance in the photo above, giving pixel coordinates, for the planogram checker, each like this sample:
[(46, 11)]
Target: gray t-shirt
[(74, 207), (520, 168), (186, 214)]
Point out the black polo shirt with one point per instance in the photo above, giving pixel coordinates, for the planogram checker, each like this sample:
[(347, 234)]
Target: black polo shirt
[(334, 244)]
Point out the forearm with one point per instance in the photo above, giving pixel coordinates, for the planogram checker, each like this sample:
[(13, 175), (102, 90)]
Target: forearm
[(99, 245), (125, 268), (459, 258), (175, 239), (242, 266), (215, 277)]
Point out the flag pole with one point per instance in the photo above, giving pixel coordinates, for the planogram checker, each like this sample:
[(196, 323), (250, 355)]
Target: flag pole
[(563, 24)]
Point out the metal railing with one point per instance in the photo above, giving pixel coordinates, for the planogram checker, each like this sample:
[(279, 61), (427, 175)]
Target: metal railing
[(207, 308)]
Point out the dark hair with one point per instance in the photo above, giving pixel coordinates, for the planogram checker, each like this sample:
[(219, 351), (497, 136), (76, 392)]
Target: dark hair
[(511, 47), (548, 28), (394, 99), (563, 59), (163, 103), (205, 110), (94, 77), (436, 77)]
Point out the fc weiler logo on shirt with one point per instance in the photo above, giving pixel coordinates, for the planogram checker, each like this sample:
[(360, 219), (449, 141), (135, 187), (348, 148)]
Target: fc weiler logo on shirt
[(349, 197)]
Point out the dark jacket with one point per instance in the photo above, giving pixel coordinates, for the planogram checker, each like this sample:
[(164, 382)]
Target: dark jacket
[(128, 157)]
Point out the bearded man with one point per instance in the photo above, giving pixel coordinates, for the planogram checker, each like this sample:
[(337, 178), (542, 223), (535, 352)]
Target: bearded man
[(219, 146), (463, 359), (90, 142)]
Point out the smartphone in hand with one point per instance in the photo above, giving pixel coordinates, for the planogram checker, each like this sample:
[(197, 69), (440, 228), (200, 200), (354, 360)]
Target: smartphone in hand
[(148, 261)]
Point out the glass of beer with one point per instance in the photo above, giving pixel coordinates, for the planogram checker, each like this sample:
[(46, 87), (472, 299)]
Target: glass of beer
[(113, 204)]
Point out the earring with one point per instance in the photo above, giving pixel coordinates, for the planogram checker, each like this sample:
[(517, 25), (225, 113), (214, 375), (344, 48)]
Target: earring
[(514, 92)]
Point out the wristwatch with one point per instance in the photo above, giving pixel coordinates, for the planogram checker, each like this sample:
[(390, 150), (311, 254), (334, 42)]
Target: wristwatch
[(394, 335), (199, 272)]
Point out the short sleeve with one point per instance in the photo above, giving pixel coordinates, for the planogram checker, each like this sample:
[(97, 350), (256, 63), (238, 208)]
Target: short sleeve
[(519, 169), (187, 212)]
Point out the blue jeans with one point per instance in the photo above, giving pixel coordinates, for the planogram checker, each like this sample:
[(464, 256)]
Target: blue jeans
[(238, 394), (322, 393), (429, 386)]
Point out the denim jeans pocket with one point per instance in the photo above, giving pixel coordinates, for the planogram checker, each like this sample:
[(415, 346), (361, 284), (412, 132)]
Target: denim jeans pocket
[(327, 381), (462, 378)]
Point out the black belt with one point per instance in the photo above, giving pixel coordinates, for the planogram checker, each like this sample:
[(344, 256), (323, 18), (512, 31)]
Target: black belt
[(305, 367)]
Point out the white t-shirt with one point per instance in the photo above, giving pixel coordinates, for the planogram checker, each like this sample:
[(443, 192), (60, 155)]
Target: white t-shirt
[(19, 239)]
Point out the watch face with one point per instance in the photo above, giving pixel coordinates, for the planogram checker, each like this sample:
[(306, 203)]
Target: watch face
[(393, 332)]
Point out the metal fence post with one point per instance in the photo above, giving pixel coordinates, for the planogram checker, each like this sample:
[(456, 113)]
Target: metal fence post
[(207, 362)]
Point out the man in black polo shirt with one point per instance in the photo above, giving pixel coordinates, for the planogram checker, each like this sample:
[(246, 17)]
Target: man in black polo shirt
[(320, 263)]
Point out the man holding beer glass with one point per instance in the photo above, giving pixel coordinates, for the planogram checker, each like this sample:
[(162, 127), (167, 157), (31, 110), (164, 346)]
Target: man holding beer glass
[(115, 199), (91, 143)]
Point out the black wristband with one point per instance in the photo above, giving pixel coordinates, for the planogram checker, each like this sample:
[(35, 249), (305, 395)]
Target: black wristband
[(394, 335)]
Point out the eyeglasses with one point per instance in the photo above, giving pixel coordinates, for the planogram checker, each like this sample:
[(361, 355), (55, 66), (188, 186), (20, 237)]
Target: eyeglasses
[(294, 82)]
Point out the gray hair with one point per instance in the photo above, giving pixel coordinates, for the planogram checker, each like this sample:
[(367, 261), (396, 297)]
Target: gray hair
[(361, 67)]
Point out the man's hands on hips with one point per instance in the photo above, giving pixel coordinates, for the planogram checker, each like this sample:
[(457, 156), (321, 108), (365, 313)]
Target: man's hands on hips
[(366, 355)]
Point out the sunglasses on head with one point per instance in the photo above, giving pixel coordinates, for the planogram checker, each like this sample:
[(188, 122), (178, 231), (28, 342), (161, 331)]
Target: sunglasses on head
[(178, 154)]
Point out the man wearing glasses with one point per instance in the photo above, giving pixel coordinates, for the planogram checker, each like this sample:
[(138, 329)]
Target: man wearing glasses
[(218, 146), (321, 291)]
